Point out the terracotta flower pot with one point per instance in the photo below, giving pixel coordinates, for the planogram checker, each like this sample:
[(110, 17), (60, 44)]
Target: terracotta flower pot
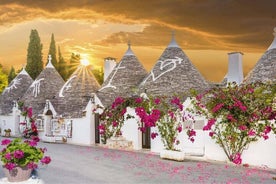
[(17, 174)]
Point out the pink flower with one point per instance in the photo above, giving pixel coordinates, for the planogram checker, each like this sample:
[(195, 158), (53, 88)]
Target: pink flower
[(8, 156), (179, 128), (192, 133), (206, 127), (217, 107), (123, 111), (33, 143), (114, 124), (237, 159), (231, 118), (142, 129), (171, 114), (199, 97), (5, 142), (157, 101), (22, 123), (210, 123), (139, 100), (18, 154), (265, 137), (251, 133), (35, 138), (180, 106), (140, 111), (243, 127), (211, 134), (153, 135), (32, 165), (45, 160), (192, 139), (117, 101), (101, 129), (30, 112), (175, 101), (10, 166), (267, 129)]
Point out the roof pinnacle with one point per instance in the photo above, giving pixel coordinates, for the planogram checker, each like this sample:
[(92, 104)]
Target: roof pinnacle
[(129, 51), (173, 42)]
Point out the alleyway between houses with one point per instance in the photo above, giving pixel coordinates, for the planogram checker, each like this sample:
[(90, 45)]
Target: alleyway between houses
[(73, 164)]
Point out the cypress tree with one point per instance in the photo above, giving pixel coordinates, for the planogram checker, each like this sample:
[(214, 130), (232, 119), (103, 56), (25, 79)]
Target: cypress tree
[(11, 75), (53, 52), (34, 57), (3, 79), (62, 66)]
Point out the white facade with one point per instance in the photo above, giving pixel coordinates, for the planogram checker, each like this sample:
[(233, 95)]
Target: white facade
[(12, 122)]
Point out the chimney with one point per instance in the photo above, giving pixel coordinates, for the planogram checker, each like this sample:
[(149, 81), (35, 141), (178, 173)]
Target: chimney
[(273, 44), (235, 71), (109, 64)]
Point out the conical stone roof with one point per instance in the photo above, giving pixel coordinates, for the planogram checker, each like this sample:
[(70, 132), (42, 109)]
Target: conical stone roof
[(45, 86), (15, 90), (74, 95), (123, 80), (173, 74), (265, 68)]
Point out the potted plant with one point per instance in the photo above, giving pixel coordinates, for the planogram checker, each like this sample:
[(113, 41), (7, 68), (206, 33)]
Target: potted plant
[(20, 157)]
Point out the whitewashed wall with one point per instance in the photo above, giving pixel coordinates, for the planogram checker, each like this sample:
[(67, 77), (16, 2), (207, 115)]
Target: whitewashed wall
[(130, 130), (261, 153), (83, 129), (11, 121)]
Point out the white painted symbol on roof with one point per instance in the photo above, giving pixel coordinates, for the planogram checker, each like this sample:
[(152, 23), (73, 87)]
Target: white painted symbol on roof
[(36, 86), (163, 64), (111, 79), (13, 85), (66, 86)]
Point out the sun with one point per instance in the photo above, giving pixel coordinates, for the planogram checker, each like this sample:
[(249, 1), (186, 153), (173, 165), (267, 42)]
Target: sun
[(84, 62)]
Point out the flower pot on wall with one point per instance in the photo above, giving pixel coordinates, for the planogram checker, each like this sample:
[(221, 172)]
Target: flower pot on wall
[(17, 174), (172, 155)]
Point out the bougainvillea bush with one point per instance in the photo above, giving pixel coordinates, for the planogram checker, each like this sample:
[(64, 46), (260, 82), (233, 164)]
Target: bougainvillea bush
[(112, 119), (165, 113), (29, 127), (237, 115), (22, 153)]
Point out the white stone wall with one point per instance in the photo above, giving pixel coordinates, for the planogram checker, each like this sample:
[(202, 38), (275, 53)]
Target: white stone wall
[(83, 129), (130, 130)]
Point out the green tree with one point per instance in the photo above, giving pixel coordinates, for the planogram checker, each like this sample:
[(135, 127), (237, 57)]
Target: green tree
[(53, 52), (3, 79), (62, 66), (12, 74), (74, 62), (99, 75), (34, 56)]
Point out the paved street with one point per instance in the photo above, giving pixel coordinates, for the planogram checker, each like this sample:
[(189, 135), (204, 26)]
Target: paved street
[(73, 164)]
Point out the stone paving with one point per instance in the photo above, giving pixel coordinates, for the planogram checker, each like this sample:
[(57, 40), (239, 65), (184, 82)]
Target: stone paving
[(73, 164)]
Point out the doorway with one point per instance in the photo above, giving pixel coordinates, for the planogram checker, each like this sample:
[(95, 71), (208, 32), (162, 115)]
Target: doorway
[(146, 139), (97, 132)]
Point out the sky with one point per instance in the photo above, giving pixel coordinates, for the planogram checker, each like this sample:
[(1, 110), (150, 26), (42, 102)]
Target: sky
[(206, 30)]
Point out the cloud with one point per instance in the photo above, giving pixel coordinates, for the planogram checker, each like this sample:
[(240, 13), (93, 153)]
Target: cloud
[(103, 28)]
